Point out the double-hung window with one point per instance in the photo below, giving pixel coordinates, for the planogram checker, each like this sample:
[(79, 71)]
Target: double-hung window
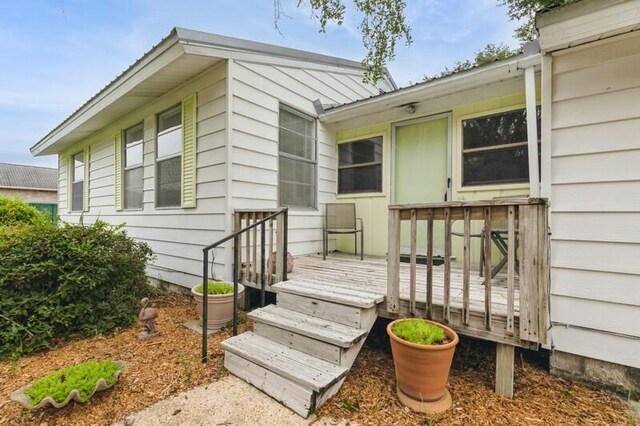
[(169, 158), (494, 148), (133, 152), (360, 166), (297, 159), (77, 182)]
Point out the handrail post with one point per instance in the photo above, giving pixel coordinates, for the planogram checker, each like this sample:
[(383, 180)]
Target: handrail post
[(235, 287), (205, 299), (262, 277), (285, 249)]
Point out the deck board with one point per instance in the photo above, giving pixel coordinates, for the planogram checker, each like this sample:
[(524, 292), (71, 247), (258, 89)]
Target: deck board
[(370, 275)]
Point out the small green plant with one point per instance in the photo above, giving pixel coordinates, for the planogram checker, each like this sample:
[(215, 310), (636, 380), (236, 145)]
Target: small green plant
[(351, 406), (216, 287), (186, 365), (419, 331), (82, 377)]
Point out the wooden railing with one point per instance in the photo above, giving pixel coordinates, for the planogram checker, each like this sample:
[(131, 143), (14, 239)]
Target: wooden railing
[(251, 260), (526, 229)]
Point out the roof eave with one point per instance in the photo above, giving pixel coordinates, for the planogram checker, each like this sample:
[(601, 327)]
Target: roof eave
[(441, 87)]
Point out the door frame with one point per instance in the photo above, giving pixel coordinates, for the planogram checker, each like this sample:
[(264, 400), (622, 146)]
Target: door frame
[(394, 126)]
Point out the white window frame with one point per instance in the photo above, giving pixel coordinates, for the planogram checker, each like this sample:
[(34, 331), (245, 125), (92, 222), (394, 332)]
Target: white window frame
[(314, 162), (75, 179), (167, 157), (132, 167)]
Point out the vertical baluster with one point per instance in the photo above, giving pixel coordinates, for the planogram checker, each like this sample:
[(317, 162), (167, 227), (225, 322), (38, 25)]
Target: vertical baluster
[(412, 262), (247, 262), (280, 256), (466, 268), (254, 262), (487, 267), (511, 265), (393, 263), (447, 265), (237, 225), (271, 264), (430, 263), (262, 277)]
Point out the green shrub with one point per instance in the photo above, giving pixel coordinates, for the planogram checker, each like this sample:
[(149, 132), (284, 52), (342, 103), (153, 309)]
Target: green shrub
[(16, 212), (216, 287), (82, 377), (67, 281), (419, 331)]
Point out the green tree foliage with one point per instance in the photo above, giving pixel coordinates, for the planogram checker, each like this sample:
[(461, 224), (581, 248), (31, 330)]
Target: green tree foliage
[(526, 9), (489, 54), (65, 281), (16, 212), (383, 25)]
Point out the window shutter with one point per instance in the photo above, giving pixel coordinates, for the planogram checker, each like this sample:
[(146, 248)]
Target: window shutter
[(189, 105), (85, 185), (69, 166), (118, 170)]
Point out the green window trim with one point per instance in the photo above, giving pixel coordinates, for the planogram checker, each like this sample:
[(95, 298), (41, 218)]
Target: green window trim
[(118, 170)]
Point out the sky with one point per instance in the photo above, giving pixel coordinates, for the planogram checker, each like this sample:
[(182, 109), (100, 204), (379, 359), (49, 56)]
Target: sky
[(56, 54)]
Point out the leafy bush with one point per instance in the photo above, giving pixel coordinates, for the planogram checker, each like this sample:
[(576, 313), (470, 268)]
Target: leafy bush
[(216, 287), (82, 377), (65, 281), (16, 212), (419, 331)]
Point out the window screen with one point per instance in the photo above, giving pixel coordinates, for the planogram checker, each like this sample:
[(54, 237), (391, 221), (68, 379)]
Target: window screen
[(297, 159), (360, 166), (77, 185), (495, 148), (133, 171), (169, 158)]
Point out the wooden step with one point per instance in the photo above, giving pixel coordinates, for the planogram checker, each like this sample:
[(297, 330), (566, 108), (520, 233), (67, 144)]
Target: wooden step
[(307, 325), (335, 294), (302, 369)]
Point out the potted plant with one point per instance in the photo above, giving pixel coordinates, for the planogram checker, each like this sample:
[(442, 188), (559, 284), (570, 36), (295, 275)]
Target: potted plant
[(219, 302), (422, 353)]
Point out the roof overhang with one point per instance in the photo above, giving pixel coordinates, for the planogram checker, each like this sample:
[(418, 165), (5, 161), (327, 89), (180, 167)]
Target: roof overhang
[(441, 93), (586, 21), (180, 56)]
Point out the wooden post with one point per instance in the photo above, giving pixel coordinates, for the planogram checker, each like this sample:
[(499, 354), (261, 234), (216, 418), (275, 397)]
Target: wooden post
[(504, 369), (430, 264), (279, 248), (466, 269), (447, 265), (412, 262), (487, 267), (511, 265), (393, 263), (543, 272)]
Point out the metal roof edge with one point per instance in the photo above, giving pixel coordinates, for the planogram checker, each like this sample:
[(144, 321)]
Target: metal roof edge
[(164, 44), (470, 78)]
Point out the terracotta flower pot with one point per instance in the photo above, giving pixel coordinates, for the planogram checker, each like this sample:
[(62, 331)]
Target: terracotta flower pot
[(219, 307), (422, 370)]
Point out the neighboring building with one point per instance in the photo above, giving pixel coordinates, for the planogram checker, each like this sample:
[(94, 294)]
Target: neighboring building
[(203, 125), (31, 184)]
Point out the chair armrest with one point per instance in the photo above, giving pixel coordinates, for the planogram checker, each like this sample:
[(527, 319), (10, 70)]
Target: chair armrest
[(361, 224)]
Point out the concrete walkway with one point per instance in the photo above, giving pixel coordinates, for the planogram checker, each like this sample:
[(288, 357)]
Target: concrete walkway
[(229, 402)]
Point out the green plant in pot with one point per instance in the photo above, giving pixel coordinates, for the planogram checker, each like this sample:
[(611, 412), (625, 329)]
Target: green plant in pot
[(219, 302), (422, 354)]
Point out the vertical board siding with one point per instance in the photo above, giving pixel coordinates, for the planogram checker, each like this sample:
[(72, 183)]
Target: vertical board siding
[(175, 235), (595, 201), (258, 90)]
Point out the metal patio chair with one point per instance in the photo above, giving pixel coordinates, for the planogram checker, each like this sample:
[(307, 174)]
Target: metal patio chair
[(340, 218)]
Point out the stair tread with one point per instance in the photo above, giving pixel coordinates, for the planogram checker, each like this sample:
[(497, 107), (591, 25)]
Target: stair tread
[(307, 325), (336, 294), (292, 364)]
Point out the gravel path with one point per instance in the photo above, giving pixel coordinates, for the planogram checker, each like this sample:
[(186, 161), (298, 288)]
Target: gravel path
[(229, 401)]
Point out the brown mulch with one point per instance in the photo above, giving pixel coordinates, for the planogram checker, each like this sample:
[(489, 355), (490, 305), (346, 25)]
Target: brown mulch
[(156, 369), (170, 363), (368, 398)]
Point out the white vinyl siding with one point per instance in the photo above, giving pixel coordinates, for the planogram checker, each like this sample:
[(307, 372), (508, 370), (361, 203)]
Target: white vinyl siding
[(175, 235), (595, 201), (258, 92)]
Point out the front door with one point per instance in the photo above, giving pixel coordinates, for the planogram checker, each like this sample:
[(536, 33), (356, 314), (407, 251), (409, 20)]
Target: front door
[(421, 173)]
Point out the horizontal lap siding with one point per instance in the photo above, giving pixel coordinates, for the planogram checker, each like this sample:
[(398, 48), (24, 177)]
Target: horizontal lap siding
[(595, 201), (258, 90), (175, 235)]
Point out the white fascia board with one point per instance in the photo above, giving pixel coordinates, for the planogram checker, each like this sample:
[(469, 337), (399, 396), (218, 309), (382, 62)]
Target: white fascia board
[(164, 54), (586, 21), (441, 87)]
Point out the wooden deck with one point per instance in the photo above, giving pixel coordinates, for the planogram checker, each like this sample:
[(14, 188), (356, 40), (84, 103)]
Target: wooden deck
[(370, 274)]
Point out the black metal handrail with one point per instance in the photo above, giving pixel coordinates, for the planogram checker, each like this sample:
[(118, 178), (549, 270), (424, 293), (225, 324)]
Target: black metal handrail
[(235, 236)]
